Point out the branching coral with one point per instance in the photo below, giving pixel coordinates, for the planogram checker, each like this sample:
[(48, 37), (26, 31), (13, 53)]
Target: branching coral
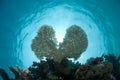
[(52, 70), (19, 74), (95, 69)]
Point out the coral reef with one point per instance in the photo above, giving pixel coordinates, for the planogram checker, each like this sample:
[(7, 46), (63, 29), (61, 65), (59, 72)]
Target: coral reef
[(97, 69), (19, 74), (45, 43), (106, 67), (4, 74), (51, 70), (57, 66), (73, 45), (116, 64)]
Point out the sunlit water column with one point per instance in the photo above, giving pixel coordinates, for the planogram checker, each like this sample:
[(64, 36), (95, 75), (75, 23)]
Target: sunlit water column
[(61, 17)]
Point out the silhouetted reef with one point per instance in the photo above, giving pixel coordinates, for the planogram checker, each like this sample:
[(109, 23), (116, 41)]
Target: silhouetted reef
[(106, 67)]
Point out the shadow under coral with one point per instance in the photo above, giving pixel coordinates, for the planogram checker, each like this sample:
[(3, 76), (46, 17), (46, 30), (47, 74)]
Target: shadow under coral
[(106, 67)]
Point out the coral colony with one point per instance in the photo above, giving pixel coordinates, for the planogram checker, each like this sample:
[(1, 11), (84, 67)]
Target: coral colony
[(57, 66), (45, 43)]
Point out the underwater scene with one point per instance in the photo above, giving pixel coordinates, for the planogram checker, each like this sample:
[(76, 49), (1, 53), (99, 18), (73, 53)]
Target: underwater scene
[(59, 39)]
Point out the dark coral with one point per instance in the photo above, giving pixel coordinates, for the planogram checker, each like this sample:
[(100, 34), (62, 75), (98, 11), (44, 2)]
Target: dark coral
[(106, 67), (46, 70), (4, 74), (19, 74), (116, 64), (99, 71)]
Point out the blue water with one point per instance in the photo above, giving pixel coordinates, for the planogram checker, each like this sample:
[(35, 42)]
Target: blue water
[(21, 19)]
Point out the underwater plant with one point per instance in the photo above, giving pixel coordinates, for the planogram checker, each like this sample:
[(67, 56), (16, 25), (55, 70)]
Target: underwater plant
[(73, 45)]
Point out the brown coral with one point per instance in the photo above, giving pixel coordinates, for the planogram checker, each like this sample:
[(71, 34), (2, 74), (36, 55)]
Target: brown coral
[(96, 70), (44, 44), (74, 43)]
